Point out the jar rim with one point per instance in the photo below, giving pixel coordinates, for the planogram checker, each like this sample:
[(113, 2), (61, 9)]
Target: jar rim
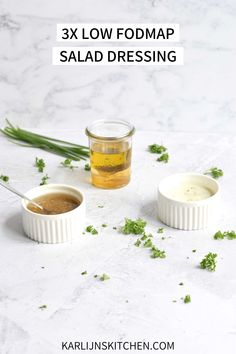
[(128, 132)]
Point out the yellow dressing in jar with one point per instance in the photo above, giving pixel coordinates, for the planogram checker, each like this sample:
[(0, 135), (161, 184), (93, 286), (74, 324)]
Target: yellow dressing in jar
[(110, 153)]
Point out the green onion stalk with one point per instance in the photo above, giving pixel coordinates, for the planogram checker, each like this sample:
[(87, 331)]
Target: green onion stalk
[(59, 147)]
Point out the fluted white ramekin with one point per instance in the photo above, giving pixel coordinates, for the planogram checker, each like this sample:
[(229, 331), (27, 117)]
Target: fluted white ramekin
[(193, 215), (54, 228)]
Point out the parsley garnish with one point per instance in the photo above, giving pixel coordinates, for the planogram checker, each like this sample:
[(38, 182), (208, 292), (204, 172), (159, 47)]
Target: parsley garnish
[(209, 262), (67, 163), (42, 307), (156, 149), (104, 277), (156, 253), (187, 299), (138, 243), (181, 284), (44, 180), (135, 227), (40, 164), (144, 237), (87, 167), (215, 172), (230, 235), (104, 225), (84, 273), (4, 178), (194, 251), (163, 158), (91, 230), (160, 230), (148, 243)]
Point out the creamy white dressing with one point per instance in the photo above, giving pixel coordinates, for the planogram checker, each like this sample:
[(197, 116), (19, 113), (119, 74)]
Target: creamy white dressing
[(189, 192)]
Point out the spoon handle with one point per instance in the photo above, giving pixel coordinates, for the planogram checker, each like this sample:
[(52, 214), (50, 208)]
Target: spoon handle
[(13, 190)]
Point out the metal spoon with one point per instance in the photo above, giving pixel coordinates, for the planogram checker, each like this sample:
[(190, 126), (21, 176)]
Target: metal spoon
[(13, 190)]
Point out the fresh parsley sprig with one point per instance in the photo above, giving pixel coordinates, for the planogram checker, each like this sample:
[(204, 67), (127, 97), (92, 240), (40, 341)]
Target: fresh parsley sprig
[(160, 150), (135, 227), (156, 149), (91, 230), (156, 253), (209, 262), (44, 180), (187, 299), (230, 235), (215, 172), (39, 164), (163, 158), (67, 163)]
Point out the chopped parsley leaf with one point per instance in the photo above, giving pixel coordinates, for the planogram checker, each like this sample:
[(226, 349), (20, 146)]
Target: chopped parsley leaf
[(84, 273), (67, 163), (160, 230), (187, 299), (104, 277), (144, 237), (135, 227), (215, 172), (40, 164), (42, 307), (4, 178), (163, 158), (44, 180), (91, 230), (87, 167), (148, 243), (209, 262), (156, 253), (156, 149), (230, 235), (138, 243)]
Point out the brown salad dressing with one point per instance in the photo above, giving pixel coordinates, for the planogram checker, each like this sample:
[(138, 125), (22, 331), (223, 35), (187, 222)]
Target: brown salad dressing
[(56, 203)]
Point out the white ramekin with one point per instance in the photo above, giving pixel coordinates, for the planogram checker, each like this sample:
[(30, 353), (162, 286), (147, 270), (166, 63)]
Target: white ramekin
[(192, 215), (54, 228)]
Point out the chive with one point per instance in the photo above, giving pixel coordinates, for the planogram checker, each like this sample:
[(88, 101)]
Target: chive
[(59, 147)]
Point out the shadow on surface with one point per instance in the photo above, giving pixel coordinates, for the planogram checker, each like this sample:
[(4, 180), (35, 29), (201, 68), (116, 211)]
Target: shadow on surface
[(14, 226), (150, 209)]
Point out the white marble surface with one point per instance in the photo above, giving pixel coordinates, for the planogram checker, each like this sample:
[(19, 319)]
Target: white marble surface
[(191, 109), (81, 307), (200, 96)]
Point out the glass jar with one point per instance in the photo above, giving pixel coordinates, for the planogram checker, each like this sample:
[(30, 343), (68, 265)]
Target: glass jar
[(110, 143)]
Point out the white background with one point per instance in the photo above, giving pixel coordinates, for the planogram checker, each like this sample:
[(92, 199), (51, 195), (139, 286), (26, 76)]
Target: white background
[(190, 109)]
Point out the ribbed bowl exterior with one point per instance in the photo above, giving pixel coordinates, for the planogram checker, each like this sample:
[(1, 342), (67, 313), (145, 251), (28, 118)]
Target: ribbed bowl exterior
[(192, 216), (54, 228), (60, 229)]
